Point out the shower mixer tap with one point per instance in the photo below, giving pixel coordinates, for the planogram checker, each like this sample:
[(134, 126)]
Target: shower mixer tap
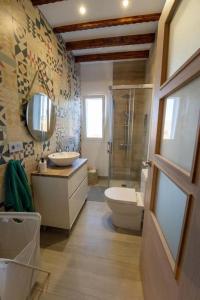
[(123, 146)]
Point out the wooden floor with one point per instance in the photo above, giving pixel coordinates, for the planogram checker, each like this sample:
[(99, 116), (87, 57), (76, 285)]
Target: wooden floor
[(95, 263)]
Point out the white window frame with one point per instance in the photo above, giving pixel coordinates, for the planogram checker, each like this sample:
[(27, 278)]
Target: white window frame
[(84, 117)]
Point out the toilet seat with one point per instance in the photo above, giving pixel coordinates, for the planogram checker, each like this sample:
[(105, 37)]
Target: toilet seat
[(121, 195), (126, 206)]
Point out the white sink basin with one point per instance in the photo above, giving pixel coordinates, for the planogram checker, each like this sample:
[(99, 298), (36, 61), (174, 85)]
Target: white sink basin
[(63, 158)]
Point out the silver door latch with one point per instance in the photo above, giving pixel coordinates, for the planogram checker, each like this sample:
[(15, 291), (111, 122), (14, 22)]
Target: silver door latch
[(147, 163)]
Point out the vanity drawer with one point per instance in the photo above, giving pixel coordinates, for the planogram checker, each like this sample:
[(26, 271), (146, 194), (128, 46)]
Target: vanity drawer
[(75, 180), (50, 200), (77, 200)]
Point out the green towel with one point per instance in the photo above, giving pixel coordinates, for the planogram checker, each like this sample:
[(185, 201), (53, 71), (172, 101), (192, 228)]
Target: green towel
[(17, 190)]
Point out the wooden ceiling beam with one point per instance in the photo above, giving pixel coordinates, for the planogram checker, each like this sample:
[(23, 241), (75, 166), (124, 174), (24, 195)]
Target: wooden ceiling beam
[(112, 56), (111, 41), (106, 23), (41, 2)]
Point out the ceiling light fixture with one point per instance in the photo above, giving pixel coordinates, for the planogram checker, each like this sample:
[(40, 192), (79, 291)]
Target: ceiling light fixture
[(125, 3), (82, 10)]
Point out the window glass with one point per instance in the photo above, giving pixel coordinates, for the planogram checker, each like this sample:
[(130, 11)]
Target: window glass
[(180, 125), (94, 117), (184, 34), (170, 209)]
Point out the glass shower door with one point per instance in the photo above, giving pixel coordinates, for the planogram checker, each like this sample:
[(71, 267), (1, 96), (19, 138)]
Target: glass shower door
[(121, 132)]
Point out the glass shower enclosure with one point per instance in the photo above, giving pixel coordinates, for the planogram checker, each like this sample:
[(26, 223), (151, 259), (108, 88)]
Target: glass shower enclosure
[(129, 133)]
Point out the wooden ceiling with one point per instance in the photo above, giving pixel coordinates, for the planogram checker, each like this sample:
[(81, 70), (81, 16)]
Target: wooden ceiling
[(41, 2), (113, 56), (107, 23), (107, 46), (112, 41)]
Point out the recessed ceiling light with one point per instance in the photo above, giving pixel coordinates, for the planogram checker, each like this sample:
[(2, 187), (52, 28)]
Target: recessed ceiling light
[(82, 10), (125, 3)]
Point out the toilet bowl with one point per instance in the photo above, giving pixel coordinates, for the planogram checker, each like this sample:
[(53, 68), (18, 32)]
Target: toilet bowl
[(127, 205)]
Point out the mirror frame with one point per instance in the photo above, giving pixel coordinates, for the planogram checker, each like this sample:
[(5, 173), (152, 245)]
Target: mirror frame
[(40, 135)]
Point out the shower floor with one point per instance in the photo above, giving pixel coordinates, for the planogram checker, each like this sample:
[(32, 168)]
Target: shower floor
[(119, 183), (125, 183)]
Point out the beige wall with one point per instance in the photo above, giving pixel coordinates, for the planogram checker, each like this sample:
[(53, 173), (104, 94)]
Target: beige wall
[(150, 78), (95, 80), (150, 66), (28, 44)]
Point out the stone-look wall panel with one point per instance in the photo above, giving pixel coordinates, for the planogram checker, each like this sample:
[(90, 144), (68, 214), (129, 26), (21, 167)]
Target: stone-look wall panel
[(127, 73), (28, 45)]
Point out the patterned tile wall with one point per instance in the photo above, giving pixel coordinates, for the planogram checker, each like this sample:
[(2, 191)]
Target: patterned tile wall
[(27, 45)]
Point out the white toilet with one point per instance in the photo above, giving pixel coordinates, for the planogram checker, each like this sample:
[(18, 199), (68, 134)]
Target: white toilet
[(127, 205)]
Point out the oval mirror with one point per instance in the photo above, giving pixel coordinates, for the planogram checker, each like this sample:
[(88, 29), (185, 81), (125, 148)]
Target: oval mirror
[(41, 117)]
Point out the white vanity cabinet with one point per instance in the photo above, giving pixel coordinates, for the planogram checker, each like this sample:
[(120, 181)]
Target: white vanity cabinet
[(60, 193)]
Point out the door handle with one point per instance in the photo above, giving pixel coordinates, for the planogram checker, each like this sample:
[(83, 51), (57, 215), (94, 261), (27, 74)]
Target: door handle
[(109, 147), (147, 163)]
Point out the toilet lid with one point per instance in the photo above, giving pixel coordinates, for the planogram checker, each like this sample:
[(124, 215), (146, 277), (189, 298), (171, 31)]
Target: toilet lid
[(121, 194)]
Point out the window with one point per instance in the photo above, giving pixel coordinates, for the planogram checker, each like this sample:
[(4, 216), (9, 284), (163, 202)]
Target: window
[(94, 116)]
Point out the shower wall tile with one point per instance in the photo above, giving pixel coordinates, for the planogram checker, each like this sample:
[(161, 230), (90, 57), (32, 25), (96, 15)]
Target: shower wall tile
[(129, 73), (140, 135)]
